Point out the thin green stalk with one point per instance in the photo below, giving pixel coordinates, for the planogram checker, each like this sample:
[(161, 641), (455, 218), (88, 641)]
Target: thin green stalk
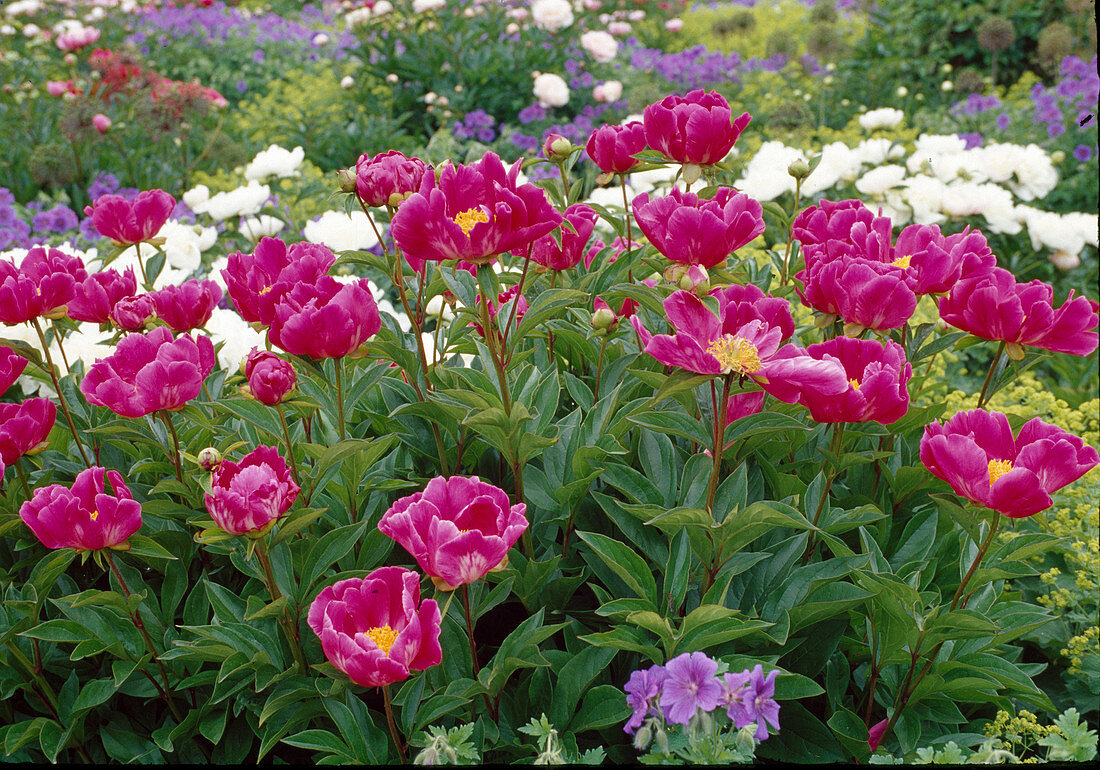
[(339, 364), (720, 408), (989, 374), (790, 234), (288, 624), (515, 302), (166, 416), (57, 387), (397, 742), (834, 451), (289, 444)]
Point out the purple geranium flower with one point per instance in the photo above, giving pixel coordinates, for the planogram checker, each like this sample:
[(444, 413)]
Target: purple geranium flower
[(763, 705), (737, 698), (691, 684), (642, 691)]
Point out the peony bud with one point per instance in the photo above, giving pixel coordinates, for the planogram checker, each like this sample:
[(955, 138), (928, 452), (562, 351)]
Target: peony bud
[(346, 178), (209, 459), (603, 319), (556, 147), (800, 169), (347, 82), (101, 122)]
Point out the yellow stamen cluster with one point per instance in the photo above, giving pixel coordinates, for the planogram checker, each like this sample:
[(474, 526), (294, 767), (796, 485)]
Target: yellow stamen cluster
[(94, 515), (854, 384), (383, 636), (902, 262), (998, 468), (735, 354), (470, 217)]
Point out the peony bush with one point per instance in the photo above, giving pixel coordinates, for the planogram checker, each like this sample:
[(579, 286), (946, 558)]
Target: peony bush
[(646, 446)]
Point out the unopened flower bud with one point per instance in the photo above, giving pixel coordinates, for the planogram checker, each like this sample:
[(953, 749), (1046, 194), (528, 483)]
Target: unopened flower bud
[(692, 172), (392, 78), (603, 319), (643, 737), (556, 147), (346, 178), (1064, 260), (902, 91), (209, 459), (1058, 156), (800, 169), (347, 82)]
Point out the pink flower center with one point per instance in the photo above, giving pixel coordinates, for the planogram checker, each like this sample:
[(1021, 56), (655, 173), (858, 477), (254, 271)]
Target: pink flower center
[(735, 354), (383, 636), (998, 468), (468, 218), (902, 262)]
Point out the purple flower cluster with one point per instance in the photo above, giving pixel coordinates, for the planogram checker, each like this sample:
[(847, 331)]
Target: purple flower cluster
[(59, 219), (1076, 94), (14, 232), (576, 130), (699, 67), (477, 124), (975, 104), (690, 682)]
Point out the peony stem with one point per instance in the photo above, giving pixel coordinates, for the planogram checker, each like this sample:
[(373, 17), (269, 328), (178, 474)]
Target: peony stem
[(626, 217), (977, 560), (339, 364), (167, 417), (290, 628), (393, 725), (46, 693), (470, 627), (60, 396), (834, 449), (22, 473), (289, 444), (599, 366), (61, 348), (989, 374), (515, 301), (719, 437), (790, 234)]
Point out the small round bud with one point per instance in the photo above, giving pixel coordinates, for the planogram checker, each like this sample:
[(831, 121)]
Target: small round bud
[(209, 459), (347, 82), (392, 78), (603, 319), (1058, 156), (800, 169), (346, 178), (556, 147), (902, 91)]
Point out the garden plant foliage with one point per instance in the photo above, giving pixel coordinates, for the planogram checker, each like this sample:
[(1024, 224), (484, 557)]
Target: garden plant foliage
[(559, 382)]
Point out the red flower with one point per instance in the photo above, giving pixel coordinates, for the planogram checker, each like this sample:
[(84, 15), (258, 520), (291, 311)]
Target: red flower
[(86, 517), (41, 286), (96, 296), (132, 313), (695, 128), (699, 231), (133, 221), (388, 174), (187, 306), (375, 629), (11, 366), (862, 292), (877, 387), (326, 319), (976, 453), (473, 213), (247, 496), (612, 148), (25, 427), (257, 281), (546, 252), (270, 378)]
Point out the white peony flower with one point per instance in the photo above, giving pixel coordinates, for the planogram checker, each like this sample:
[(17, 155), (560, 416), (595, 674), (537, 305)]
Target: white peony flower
[(255, 228), (609, 91), (552, 15), (1056, 232), (551, 90), (761, 180), (924, 196), (237, 337), (353, 19), (423, 6), (887, 117), (838, 162), (196, 196), (275, 161), (341, 232), (240, 202), (184, 244), (875, 152), (601, 46), (1035, 174)]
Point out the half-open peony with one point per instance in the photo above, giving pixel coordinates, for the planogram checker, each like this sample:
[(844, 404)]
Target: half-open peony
[(976, 453), (694, 128), (88, 516), (457, 529), (248, 496), (545, 251), (473, 212), (187, 306), (388, 177), (270, 379), (149, 372), (24, 427), (612, 148), (255, 282), (42, 285), (865, 293), (699, 231), (375, 629), (325, 319), (11, 366), (133, 221), (132, 313), (96, 296)]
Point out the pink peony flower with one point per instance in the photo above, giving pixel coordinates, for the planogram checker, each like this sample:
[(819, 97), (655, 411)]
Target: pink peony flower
[(375, 629), (494, 307), (379, 179), (133, 221), (42, 285), (862, 292), (695, 128), (976, 453), (187, 306), (547, 253), (877, 387), (149, 372), (248, 496), (934, 263), (101, 122), (825, 230), (618, 246), (457, 529), (473, 213), (77, 38), (993, 306), (11, 366), (87, 516), (697, 231), (96, 296), (132, 313), (876, 732), (257, 281), (270, 378), (612, 148), (25, 427), (735, 342), (326, 319)]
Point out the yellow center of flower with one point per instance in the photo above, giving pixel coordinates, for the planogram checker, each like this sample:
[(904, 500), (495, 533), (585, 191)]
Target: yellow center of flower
[(470, 217), (735, 354), (902, 262), (265, 290), (94, 515), (854, 384), (998, 468), (383, 636)]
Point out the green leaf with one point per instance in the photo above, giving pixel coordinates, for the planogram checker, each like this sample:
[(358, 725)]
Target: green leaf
[(94, 693), (603, 706), (674, 424), (625, 563)]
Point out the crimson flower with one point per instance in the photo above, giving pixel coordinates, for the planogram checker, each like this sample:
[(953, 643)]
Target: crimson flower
[(612, 148), (976, 453), (132, 313), (546, 252), (862, 292), (388, 174), (25, 427), (877, 387), (133, 221), (270, 378), (95, 297), (325, 319), (11, 366), (699, 231), (86, 516), (375, 629), (187, 306), (695, 128), (255, 282), (246, 497), (42, 285), (473, 212)]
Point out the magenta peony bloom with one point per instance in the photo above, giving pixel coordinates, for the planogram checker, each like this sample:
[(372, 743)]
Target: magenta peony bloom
[(618, 246), (736, 342), (25, 427), (878, 378), (612, 148), (457, 529), (149, 372), (977, 455), (270, 378), (825, 230), (133, 221), (96, 296), (257, 281), (862, 292), (690, 683), (697, 231), (247, 496), (494, 307), (875, 733), (695, 128), (326, 319), (643, 690), (187, 306), (375, 629), (473, 213), (86, 517), (11, 366), (388, 174), (547, 253), (993, 306), (132, 313), (42, 285), (934, 263)]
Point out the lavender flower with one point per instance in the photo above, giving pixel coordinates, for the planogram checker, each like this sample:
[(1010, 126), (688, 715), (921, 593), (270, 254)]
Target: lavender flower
[(642, 692), (737, 698), (691, 684), (764, 708)]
